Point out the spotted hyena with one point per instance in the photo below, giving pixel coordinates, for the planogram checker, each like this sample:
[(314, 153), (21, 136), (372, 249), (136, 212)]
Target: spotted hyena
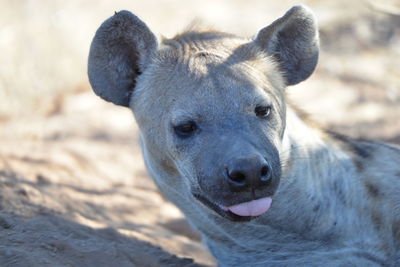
[(262, 185)]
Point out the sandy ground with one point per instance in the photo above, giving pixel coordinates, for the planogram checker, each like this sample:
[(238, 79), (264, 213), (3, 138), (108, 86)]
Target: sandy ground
[(73, 187), (82, 197)]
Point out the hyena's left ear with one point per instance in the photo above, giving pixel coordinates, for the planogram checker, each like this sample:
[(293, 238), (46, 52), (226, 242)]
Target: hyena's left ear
[(121, 50), (293, 41)]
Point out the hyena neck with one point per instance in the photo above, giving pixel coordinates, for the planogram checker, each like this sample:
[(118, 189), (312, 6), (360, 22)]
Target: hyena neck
[(310, 152), (319, 179)]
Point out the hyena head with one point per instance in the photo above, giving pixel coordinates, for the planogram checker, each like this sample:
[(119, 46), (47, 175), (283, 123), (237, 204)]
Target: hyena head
[(210, 105)]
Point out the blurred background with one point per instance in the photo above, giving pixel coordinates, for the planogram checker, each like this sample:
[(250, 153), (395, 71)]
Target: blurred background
[(69, 160)]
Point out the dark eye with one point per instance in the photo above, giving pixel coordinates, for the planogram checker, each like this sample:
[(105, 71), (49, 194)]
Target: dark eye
[(262, 111), (185, 129)]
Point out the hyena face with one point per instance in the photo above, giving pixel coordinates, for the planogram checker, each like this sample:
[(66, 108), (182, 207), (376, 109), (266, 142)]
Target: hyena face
[(210, 106), (221, 121)]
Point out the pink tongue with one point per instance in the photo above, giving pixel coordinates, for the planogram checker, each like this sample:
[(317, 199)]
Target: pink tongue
[(251, 208)]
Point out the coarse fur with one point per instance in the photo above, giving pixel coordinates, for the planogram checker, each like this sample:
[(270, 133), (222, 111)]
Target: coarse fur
[(335, 200)]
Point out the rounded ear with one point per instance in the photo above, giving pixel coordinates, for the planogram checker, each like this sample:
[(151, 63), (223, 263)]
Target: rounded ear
[(293, 41), (120, 51)]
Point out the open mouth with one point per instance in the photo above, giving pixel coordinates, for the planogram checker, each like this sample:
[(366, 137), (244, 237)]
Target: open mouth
[(241, 212)]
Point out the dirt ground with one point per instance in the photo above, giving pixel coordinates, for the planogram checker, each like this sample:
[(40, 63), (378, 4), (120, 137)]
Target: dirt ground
[(73, 187)]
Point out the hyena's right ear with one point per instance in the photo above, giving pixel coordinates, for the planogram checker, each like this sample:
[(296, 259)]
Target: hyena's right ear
[(293, 41), (121, 49)]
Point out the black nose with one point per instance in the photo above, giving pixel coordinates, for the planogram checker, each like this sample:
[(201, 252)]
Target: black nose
[(248, 172)]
